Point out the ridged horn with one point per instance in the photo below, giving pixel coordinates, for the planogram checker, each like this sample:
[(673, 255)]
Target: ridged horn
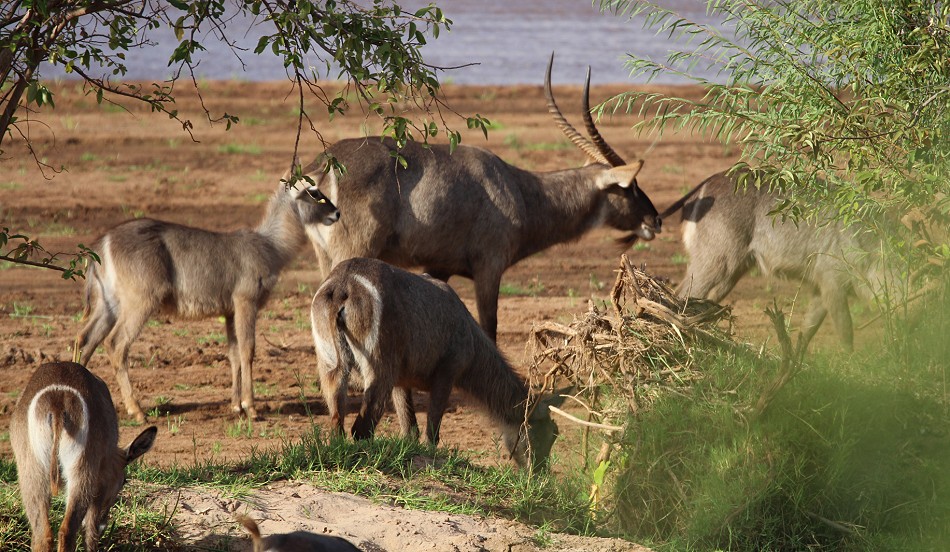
[(575, 137), (613, 158)]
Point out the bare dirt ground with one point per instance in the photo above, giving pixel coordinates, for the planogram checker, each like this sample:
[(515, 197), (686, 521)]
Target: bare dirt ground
[(121, 165)]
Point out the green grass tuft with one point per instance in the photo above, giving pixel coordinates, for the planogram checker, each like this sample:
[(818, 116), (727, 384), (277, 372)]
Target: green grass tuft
[(852, 454)]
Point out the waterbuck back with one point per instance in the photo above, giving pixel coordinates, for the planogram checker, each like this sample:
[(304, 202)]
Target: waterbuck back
[(400, 331), (64, 427), (728, 231), (469, 213), (151, 266), (298, 541)]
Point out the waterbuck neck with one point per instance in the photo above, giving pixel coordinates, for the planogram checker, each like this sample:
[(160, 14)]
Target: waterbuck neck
[(281, 226), (492, 379), (564, 205)]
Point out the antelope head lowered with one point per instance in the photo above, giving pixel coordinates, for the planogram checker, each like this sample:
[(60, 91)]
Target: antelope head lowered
[(469, 213), (399, 331), (64, 427)]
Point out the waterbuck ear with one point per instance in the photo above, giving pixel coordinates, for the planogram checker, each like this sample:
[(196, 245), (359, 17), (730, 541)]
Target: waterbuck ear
[(555, 399), (623, 176), (141, 444)]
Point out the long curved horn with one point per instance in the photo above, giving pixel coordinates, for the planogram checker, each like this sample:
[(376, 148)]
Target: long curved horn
[(575, 137), (613, 158)]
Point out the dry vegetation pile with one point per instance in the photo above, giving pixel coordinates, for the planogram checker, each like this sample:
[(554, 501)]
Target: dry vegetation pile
[(618, 359)]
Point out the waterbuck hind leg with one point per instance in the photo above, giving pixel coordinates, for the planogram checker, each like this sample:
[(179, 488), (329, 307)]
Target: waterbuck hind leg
[(127, 328), (405, 412), (100, 324), (35, 492), (69, 529), (91, 537)]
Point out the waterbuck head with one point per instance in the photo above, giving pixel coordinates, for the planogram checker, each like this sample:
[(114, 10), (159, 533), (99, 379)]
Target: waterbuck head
[(628, 207), (538, 434), (312, 205)]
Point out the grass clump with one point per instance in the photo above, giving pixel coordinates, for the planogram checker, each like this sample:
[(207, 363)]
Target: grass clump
[(719, 447), (395, 471)]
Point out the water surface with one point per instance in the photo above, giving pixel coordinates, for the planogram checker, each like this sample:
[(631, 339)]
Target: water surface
[(493, 42)]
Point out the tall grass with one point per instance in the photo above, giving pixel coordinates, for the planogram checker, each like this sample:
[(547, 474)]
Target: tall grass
[(852, 454)]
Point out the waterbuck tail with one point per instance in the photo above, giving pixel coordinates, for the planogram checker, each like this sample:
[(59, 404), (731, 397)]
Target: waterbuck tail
[(346, 358), (56, 427), (251, 527)]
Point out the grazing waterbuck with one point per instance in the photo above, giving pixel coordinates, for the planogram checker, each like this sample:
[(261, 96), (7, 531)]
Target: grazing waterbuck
[(728, 230), (64, 426), (469, 213), (401, 331), (298, 541), (151, 266)]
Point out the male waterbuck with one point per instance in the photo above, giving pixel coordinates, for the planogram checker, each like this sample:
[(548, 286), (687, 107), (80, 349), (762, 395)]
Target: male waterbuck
[(468, 212), (298, 541), (64, 426), (728, 230), (150, 267), (398, 331)]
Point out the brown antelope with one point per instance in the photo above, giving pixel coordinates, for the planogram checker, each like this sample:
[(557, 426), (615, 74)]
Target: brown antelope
[(150, 266), (468, 212), (64, 426), (298, 541), (400, 331), (727, 231)]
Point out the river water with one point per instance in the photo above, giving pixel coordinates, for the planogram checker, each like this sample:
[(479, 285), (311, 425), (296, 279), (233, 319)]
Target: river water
[(493, 42)]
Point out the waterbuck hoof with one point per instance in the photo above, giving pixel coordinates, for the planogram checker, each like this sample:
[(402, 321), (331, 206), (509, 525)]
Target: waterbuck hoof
[(252, 413)]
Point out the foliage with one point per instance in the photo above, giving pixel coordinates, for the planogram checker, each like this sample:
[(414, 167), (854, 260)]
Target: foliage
[(374, 46), (844, 104), (24, 250), (850, 454)]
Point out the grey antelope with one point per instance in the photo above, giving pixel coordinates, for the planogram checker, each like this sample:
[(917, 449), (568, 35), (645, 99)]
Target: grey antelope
[(150, 266), (400, 331), (727, 231), (468, 212), (298, 541), (65, 422)]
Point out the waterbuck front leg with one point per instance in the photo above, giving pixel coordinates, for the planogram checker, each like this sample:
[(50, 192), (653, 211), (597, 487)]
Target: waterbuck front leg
[(234, 357), (376, 393), (245, 319), (835, 302), (439, 390), (487, 283)]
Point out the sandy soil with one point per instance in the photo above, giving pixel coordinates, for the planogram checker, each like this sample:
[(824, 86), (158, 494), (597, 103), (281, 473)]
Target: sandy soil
[(122, 164)]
